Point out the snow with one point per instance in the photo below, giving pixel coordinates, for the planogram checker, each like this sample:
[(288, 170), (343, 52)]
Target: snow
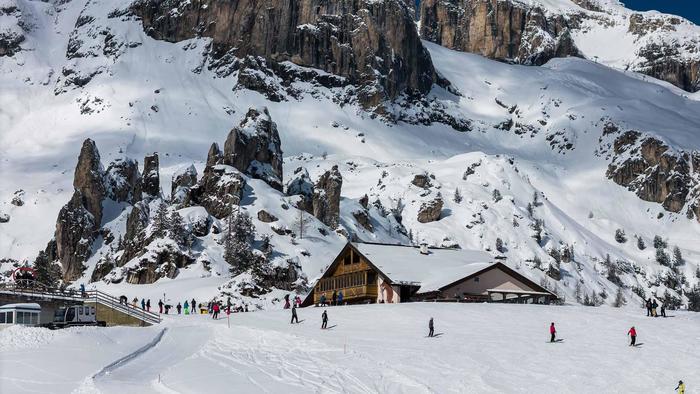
[(21, 306), (440, 267), (483, 348)]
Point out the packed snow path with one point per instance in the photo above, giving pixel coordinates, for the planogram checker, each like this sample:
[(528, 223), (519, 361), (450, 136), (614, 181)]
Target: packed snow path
[(372, 349)]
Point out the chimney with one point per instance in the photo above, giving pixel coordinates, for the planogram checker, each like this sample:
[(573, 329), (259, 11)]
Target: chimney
[(424, 248)]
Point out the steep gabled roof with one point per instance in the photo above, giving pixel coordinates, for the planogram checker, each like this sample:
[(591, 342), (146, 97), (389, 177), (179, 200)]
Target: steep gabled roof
[(432, 271)]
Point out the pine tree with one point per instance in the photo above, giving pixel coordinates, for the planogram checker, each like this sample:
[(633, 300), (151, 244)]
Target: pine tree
[(530, 209), (620, 236), (458, 196), (677, 257), (694, 299), (595, 301), (619, 298), (537, 262), (160, 222), (497, 195), (177, 229), (515, 222), (587, 300), (499, 245), (554, 270), (640, 243), (47, 273), (237, 243), (578, 292), (301, 223), (537, 227), (659, 243), (536, 199), (663, 258)]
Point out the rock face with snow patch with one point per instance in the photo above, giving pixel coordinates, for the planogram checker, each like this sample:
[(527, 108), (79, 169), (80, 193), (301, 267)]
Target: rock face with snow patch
[(219, 190), (150, 179), (655, 172), (301, 185), (430, 211), (374, 44), (504, 30), (11, 32), (326, 199), (254, 147), (183, 181), (122, 179)]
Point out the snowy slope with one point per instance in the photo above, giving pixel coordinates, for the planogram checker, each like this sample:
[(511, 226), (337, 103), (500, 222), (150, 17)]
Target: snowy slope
[(371, 349), (156, 96)]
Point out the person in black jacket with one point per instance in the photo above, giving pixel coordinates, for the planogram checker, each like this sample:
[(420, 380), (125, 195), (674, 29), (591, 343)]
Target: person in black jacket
[(294, 315), (324, 320), (431, 328)]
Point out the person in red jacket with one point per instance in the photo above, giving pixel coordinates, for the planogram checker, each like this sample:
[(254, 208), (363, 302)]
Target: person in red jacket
[(633, 336), (553, 332)]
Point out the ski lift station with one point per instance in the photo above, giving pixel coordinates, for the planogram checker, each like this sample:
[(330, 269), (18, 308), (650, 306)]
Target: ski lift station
[(27, 314)]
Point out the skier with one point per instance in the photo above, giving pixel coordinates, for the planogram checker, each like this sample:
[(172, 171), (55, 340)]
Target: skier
[(654, 305), (193, 305), (122, 299), (246, 307), (179, 308), (82, 290), (681, 387), (286, 301), (143, 304), (340, 297), (324, 320), (187, 307), (148, 305), (323, 299), (160, 306), (663, 310), (167, 308), (228, 303), (431, 328), (215, 308), (135, 302), (633, 336), (335, 298), (294, 315), (648, 305), (553, 332)]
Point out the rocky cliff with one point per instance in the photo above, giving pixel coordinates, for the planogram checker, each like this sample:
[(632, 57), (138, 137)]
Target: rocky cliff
[(373, 44), (504, 30)]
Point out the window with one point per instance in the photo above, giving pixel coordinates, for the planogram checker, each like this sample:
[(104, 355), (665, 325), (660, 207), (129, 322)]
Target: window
[(80, 310), (2, 317), (346, 260), (476, 279), (92, 311), (20, 317), (33, 318), (9, 317), (355, 258)]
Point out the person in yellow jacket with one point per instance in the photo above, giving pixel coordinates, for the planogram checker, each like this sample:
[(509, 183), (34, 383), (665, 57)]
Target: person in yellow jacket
[(681, 387)]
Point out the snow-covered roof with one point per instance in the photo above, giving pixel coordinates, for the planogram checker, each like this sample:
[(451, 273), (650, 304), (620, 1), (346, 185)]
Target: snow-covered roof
[(432, 271), (32, 306)]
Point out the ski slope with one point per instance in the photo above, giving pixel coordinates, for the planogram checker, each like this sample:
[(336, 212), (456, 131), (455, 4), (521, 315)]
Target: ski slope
[(484, 348)]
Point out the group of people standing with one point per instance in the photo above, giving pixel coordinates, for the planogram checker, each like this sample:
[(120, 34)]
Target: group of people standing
[(652, 305), (295, 302), (189, 307), (336, 299)]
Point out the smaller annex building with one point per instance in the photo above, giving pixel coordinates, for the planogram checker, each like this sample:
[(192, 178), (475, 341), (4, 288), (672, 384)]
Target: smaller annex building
[(27, 314), (383, 273)]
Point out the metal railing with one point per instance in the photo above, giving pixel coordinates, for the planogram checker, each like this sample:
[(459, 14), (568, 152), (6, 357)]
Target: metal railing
[(40, 291)]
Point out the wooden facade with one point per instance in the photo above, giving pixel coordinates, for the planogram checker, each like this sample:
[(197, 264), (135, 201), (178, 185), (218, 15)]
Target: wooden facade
[(350, 273)]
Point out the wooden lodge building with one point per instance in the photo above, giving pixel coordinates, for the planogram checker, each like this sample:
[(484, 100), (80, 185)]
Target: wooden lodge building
[(381, 273)]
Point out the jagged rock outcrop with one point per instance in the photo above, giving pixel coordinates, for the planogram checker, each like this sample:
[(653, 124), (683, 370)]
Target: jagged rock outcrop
[(431, 211), (133, 241), (149, 187), (326, 198), (164, 262), (362, 217), (300, 184), (122, 179), (503, 30), (214, 156), (266, 217), (373, 44), (89, 180), (655, 172), (219, 190), (421, 180), (75, 233), (254, 148), (11, 32), (183, 181)]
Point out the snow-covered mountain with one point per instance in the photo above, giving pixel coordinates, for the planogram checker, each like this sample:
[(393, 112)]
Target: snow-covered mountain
[(383, 138), (663, 46)]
